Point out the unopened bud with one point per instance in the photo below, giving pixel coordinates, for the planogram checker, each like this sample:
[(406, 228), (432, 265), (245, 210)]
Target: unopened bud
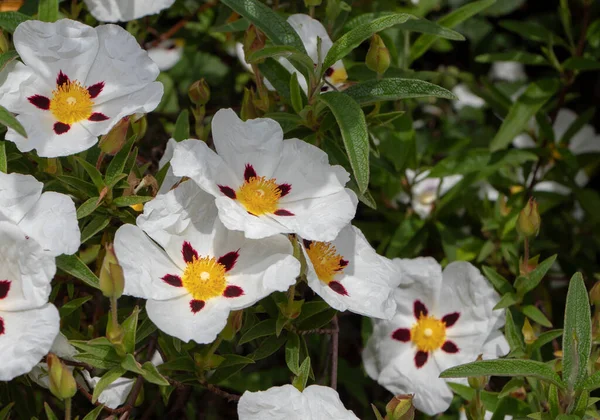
[(111, 276), (199, 92), (60, 378), (595, 294), (254, 40), (112, 142), (478, 382), (528, 223), (378, 56), (234, 324), (249, 110), (3, 42), (528, 332), (139, 125), (400, 408)]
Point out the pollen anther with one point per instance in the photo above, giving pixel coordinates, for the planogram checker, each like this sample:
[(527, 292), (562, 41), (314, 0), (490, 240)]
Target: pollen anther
[(71, 103), (326, 261), (204, 278), (428, 334), (259, 195)]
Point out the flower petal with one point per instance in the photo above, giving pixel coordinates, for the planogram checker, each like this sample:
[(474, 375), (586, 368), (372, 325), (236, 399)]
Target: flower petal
[(325, 402), (16, 81), (166, 54), (282, 402), (18, 195), (125, 10), (422, 281), (170, 179), (235, 217), (114, 394), (309, 30)]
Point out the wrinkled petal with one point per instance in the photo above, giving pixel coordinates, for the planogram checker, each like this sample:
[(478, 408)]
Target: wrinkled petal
[(125, 10), (114, 394), (276, 403), (324, 402), (170, 179), (18, 195), (14, 79), (166, 54), (423, 281)]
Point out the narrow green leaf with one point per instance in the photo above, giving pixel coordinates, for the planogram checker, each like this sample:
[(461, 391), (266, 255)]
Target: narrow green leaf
[(182, 126), (299, 381), (131, 200), (553, 401), (117, 164), (7, 57), (107, 379), (532, 31), (6, 411), (581, 64), (97, 224), (518, 56), (505, 367), (152, 375), (577, 337), (545, 338), (93, 172), (454, 18), (428, 27), (268, 21), (80, 185), (530, 102), (130, 364), (93, 415), (506, 300), (296, 95), (3, 158), (49, 413), (235, 26), (71, 264), (352, 39), (48, 10), (283, 51), (592, 382), (235, 359), (70, 307), (353, 127), (394, 89), (129, 329), (533, 313), (8, 120), (279, 78), (262, 329), (500, 283), (10, 20), (292, 353), (269, 346), (513, 334), (87, 207), (524, 284)]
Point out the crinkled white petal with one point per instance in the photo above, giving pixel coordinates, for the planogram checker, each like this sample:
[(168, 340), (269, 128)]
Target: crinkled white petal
[(170, 179), (495, 346), (27, 337), (14, 80), (422, 280), (510, 71), (466, 98), (369, 279), (324, 403), (235, 217), (114, 394), (125, 10), (309, 30), (166, 54), (18, 195)]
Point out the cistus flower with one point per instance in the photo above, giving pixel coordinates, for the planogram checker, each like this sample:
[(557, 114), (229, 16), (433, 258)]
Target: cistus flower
[(511, 71), (425, 191), (199, 271), (167, 53), (125, 10), (170, 179), (48, 218), (443, 319), (28, 323), (286, 402), (265, 185), (76, 83), (349, 275), (466, 98)]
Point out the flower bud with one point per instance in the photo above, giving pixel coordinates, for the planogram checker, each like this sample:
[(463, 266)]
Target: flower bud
[(254, 40), (595, 294), (3, 42), (248, 111), (199, 92), (378, 56), (400, 408), (478, 382), (528, 223), (234, 324), (139, 125), (112, 142), (116, 336), (111, 276), (528, 332), (60, 378)]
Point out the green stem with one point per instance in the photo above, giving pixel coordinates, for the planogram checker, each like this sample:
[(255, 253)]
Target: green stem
[(214, 346), (68, 409), (113, 313)]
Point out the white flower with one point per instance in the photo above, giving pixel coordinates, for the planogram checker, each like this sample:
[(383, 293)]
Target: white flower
[(425, 191), (349, 275), (49, 218), (170, 179), (76, 83), (167, 53), (201, 271), (265, 185), (443, 319), (125, 10), (308, 29), (466, 98), (511, 71), (286, 402), (28, 324)]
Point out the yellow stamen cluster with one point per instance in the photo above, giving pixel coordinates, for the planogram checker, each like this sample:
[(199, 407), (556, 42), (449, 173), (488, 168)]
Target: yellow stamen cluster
[(325, 260), (204, 278), (428, 334), (259, 195), (71, 103), (427, 198), (338, 76)]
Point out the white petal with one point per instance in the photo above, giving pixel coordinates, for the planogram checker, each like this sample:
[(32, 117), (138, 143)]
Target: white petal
[(235, 217), (125, 10), (552, 187), (18, 194), (466, 97), (523, 141), (28, 268), (144, 265), (239, 52), (114, 394), (27, 337), (176, 318), (448, 182), (309, 30), (564, 119), (369, 279), (422, 280), (170, 179), (52, 222), (48, 48), (13, 80), (62, 348), (166, 54), (510, 71), (324, 402), (276, 403)]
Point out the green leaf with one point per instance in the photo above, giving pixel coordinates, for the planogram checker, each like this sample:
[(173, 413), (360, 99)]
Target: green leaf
[(268, 21), (49, 413), (279, 77), (6, 411), (545, 338), (129, 329), (513, 334), (235, 26), (533, 313), (93, 172), (3, 158), (262, 329), (592, 382), (268, 347), (581, 64), (131, 364), (506, 367), (93, 415), (353, 38), (7, 57), (525, 107), (292, 353), (500, 283), (235, 359), (304, 62), (506, 300), (97, 224), (131, 200), (87, 207), (8, 120), (454, 18), (80, 185), (518, 56), (299, 381), (152, 375), (182, 126), (70, 307), (296, 95), (428, 27), (524, 284), (71, 264), (10, 20), (117, 164), (48, 10), (184, 364), (394, 89), (577, 337), (97, 362), (353, 126), (532, 31), (107, 379)]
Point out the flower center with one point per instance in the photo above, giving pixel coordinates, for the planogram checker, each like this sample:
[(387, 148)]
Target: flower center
[(71, 103), (326, 261), (427, 198), (428, 334), (204, 278), (339, 76), (259, 196)]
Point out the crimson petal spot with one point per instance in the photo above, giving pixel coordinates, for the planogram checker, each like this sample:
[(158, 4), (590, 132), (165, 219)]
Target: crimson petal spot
[(306, 243), (229, 259), (233, 291), (421, 358), (40, 101), (284, 189), (197, 305), (228, 191), (1, 326), (188, 252), (343, 263), (249, 172), (450, 319), (450, 347), (61, 128), (62, 78), (419, 309), (401, 334), (338, 288), (95, 89), (283, 212), (97, 116), (173, 280), (4, 288)]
